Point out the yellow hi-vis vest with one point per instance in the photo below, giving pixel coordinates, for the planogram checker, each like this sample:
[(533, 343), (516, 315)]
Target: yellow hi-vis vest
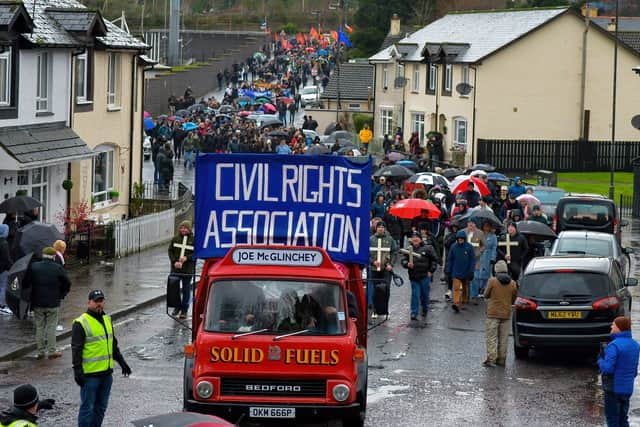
[(19, 423), (97, 354)]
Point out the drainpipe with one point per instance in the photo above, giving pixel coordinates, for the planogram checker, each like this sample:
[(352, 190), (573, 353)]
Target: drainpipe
[(473, 127), (583, 79), (71, 102), (134, 86)]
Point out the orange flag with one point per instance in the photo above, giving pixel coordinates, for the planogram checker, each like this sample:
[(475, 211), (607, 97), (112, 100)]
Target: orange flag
[(348, 28), (300, 39), (313, 33), (334, 36), (319, 32)]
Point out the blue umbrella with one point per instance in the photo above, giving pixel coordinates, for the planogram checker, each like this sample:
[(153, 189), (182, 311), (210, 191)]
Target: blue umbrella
[(497, 176), (148, 123), (189, 126)]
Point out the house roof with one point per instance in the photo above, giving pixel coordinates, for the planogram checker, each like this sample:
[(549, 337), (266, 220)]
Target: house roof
[(48, 143), (385, 55), (355, 82), (631, 39), (120, 39), (12, 12), (485, 31), (627, 23), (79, 20)]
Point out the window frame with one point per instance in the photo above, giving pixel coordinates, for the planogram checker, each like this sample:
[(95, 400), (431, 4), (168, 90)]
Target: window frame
[(456, 131), (114, 81), (25, 181), (7, 56), (447, 80), (43, 78), (386, 120), (385, 76), (418, 125), (416, 78), (80, 99), (102, 196), (432, 78)]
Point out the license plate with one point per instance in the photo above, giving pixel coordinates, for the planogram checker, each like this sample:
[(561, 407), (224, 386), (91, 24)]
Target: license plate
[(262, 412), (564, 315)]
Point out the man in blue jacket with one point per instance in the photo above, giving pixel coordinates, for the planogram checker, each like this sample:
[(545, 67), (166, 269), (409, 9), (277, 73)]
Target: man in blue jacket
[(517, 188), (461, 263), (619, 366)]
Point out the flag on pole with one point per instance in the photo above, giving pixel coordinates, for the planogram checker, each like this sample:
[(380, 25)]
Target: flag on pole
[(300, 39), (313, 33), (342, 38), (348, 28), (334, 36)]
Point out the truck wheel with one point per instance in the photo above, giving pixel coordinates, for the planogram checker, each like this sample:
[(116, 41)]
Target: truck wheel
[(521, 352), (188, 384), (358, 421)]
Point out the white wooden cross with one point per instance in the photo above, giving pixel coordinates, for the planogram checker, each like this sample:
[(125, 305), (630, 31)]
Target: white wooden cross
[(379, 250), (183, 247), (508, 243), (409, 251), (469, 237)]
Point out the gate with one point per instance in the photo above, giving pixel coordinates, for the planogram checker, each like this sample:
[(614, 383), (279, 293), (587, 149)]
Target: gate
[(143, 232)]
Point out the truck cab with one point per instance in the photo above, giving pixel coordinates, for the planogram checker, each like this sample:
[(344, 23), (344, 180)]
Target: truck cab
[(279, 333)]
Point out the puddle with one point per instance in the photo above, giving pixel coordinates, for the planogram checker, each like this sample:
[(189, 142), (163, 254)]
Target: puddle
[(386, 391)]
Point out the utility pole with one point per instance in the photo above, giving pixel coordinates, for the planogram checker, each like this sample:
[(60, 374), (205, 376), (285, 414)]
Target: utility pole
[(613, 110), (174, 32), (338, 56), (142, 20)]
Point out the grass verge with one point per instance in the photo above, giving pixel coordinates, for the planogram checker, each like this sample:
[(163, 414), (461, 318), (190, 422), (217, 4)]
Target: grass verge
[(596, 182)]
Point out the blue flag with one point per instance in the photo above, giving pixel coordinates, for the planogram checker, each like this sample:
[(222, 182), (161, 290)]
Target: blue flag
[(342, 38)]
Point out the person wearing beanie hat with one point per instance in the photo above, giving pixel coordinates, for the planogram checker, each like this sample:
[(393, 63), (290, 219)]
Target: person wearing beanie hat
[(537, 215), (5, 265), (49, 285), (618, 363), (26, 403), (382, 252), (501, 293), (460, 267), (182, 264)]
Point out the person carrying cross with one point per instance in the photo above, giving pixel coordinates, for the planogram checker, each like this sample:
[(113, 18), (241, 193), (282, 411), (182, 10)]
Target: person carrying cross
[(182, 264), (382, 249), (512, 247), (421, 262)]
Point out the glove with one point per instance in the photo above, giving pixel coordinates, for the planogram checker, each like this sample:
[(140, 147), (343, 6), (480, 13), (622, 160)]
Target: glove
[(126, 370), (79, 378), (46, 404)]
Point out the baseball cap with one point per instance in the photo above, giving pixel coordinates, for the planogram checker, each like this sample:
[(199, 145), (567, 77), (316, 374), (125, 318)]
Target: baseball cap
[(96, 294)]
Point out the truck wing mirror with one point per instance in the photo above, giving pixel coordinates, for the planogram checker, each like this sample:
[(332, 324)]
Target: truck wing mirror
[(352, 305)]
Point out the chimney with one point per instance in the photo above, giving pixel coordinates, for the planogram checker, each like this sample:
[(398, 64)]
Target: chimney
[(612, 26), (394, 30), (589, 11)]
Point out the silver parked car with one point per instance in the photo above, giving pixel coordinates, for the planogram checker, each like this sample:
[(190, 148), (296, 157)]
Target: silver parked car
[(593, 243)]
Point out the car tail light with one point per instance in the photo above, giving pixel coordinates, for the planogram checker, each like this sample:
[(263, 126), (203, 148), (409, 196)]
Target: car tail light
[(608, 303), (564, 270), (524, 304), (555, 223), (615, 226)]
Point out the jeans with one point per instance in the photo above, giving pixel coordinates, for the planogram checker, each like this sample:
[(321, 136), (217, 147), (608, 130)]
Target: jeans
[(420, 295), (616, 407), (188, 159), (186, 291), (46, 320), (3, 287), (497, 334), (477, 284), (156, 172), (94, 398)]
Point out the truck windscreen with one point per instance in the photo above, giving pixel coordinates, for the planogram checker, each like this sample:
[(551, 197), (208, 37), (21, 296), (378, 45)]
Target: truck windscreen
[(279, 306)]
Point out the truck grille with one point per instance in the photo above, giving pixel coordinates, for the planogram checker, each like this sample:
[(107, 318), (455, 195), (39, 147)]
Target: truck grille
[(266, 387)]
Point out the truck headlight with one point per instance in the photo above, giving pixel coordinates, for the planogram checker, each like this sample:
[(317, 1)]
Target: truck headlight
[(204, 389), (340, 392)]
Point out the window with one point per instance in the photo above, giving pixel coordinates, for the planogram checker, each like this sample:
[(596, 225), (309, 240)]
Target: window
[(34, 182), (386, 121), (81, 78), (417, 124), (113, 82), (399, 70), (433, 77), (460, 131), (385, 76), (5, 78), (416, 77), (42, 89), (448, 79), (465, 74), (103, 168)]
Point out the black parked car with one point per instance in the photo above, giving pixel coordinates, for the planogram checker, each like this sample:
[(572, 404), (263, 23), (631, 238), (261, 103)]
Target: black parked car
[(591, 212), (568, 301)]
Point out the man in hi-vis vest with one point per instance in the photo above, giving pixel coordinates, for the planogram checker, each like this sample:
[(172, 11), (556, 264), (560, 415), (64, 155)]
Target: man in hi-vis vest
[(94, 349)]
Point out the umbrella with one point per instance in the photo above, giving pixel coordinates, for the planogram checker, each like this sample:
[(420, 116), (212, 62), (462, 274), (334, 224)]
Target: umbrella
[(225, 109), (242, 100), (395, 156), (318, 149), (409, 164), (146, 114), (310, 49), (163, 117), (478, 173), (429, 178), (482, 167), (535, 228), (330, 129), (189, 126), (182, 419), (278, 134), (346, 149), (36, 236), (460, 183), (195, 107), (18, 295), (259, 56), (271, 121), (452, 172), (497, 176), (244, 113), (182, 113), (269, 107), (262, 100), (286, 100), (411, 208), (485, 216), (19, 204), (395, 171), (461, 220), (529, 199), (148, 123), (172, 118)]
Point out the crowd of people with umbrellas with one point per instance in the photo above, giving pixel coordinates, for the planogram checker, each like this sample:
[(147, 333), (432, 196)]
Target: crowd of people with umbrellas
[(490, 215)]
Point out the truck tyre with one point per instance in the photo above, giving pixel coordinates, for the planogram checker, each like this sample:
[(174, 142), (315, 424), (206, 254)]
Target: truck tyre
[(358, 421), (187, 384)]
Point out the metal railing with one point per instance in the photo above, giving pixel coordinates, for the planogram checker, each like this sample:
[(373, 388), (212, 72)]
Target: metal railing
[(143, 232)]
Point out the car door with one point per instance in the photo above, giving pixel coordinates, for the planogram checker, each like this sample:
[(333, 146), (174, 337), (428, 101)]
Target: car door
[(622, 292)]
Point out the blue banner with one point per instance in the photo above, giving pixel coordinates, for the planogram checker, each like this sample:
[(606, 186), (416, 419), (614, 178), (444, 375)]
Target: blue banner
[(263, 199)]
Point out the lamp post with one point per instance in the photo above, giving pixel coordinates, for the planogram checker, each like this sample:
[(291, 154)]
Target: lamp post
[(613, 109)]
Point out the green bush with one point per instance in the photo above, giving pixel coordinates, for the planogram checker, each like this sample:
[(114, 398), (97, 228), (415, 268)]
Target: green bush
[(359, 120), (290, 28)]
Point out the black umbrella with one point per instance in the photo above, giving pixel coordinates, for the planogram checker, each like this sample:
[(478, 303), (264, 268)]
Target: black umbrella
[(318, 149), (452, 172), (226, 109), (19, 204), (338, 135), (482, 167), (395, 171), (36, 236), (486, 216), (182, 419), (461, 220), (18, 294), (270, 122), (536, 229), (183, 113), (278, 134), (195, 107), (330, 129)]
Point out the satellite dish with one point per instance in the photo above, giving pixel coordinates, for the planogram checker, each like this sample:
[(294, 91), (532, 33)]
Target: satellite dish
[(635, 122), (399, 82), (463, 88)]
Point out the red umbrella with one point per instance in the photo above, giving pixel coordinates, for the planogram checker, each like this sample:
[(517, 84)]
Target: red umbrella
[(286, 100), (411, 208), (245, 113), (269, 107), (310, 49), (459, 185)]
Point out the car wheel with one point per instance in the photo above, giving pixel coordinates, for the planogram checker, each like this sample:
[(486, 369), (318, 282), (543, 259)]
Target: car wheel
[(521, 352)]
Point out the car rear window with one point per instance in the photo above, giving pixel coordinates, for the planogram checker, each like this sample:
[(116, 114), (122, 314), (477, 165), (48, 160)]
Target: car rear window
[(594, 247), (554, 285), (548, 197), (586, 212)]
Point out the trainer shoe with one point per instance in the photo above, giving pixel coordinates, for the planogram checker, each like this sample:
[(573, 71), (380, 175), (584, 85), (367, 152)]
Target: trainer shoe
[(455, 308), (59, 328), (374, 315), (55, 355), (414, 317), (5, 311), (447, 295)]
